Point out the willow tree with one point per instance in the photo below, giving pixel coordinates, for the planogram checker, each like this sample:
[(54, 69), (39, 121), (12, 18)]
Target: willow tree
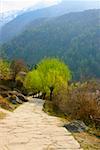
[(53, 73), (32, 82), (48, 77)]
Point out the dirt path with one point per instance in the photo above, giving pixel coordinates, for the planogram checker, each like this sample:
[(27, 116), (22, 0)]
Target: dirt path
[(29, 128)]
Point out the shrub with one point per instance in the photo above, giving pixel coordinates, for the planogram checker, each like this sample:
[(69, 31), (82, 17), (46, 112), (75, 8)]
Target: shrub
[(4, 70), (32, 82), (16, 67), (80, 102)]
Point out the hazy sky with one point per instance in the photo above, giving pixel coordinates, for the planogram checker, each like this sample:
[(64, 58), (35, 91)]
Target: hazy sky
[(8, 5)]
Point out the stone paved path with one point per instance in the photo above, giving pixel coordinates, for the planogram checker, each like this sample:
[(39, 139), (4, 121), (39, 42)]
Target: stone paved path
[(29, 128)]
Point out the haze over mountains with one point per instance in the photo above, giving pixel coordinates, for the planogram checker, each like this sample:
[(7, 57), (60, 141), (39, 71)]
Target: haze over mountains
[(9, 30), (8, 15), (68, 30)]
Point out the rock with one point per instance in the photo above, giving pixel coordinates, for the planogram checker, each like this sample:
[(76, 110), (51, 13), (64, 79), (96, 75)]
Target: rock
[(22, 97), (12, 99), (38, 95), (30, 94), (14, 96), (4, 88), (18, 100), (13, 93), (17, 90), (19, 95), (76, 126), (4, 94)]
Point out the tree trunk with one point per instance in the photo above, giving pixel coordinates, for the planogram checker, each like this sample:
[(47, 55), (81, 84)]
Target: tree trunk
[(44, 95), (51, 93)]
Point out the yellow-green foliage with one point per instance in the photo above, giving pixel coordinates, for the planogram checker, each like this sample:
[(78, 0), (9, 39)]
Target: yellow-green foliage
[(54, 73), (56, 66), (48, 77), (4, 69), (32, 81)]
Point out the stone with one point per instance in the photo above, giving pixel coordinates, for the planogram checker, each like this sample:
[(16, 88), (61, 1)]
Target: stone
[(76, 126), (22, 97), (4, 94), (12, 99), (19, 95), (29, 128), (4, 88), (18, 100)]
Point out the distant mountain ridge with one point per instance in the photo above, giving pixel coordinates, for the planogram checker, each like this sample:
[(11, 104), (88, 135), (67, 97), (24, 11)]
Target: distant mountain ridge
[(73, 37), (19, 24), (6, 17)]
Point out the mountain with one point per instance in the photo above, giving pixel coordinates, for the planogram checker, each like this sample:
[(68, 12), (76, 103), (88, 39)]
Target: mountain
[(7, 16), (73, 37), (19, 24)]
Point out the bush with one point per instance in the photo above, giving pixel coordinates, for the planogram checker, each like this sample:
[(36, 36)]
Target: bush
[(80, 101), (4, 70)]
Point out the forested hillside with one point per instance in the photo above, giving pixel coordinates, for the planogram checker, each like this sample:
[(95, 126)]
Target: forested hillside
[(73, 37), (19, 24)]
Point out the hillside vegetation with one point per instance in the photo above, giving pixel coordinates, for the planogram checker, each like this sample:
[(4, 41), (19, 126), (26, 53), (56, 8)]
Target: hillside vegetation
[(73, 37), (9, 30)]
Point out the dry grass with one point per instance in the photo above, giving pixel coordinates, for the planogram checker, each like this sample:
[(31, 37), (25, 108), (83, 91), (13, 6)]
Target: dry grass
[(87, 141), (80, 103), (5, 104)]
